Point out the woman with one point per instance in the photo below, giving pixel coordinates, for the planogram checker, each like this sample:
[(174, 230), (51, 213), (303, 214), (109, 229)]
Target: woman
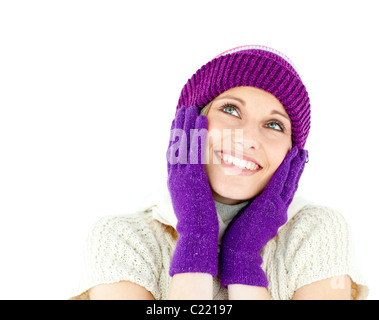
[(230, 226)]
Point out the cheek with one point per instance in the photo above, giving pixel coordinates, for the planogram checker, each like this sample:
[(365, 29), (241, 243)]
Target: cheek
[(275, 157), (218, 137), (275, 160)]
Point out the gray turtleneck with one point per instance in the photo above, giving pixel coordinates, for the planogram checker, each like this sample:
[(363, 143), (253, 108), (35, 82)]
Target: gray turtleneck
[(226, 213)]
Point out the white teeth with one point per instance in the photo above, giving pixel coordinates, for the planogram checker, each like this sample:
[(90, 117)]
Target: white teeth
[(240, 163), (236, 162)]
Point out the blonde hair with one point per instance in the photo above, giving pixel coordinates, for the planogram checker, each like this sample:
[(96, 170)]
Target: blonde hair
[(205, 110)]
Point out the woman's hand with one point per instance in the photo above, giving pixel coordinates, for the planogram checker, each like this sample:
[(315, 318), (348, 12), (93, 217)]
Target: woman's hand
[(255, 225), (191, 195)]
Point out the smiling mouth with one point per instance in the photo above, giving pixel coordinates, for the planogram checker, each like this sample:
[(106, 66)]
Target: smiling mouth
[(239, 161)]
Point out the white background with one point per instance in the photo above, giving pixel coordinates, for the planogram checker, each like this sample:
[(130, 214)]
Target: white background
[(88, 90)]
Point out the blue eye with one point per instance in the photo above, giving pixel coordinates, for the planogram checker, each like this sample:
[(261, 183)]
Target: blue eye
[(229, 108), (275, 125)]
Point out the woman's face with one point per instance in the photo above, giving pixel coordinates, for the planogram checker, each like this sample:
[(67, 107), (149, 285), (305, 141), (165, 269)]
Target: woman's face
[(248, 124)]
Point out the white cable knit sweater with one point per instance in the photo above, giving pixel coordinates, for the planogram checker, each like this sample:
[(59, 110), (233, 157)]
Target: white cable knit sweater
[(315, 244)]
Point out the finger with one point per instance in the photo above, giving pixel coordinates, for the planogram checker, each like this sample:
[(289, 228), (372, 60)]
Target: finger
[(303, 160), (191, 114), (305, 155), (199, 140), (201, 122), (175, 135), (169, 150), (296, 170), (278, 179), (180, 117), (190, 119), (291, 155), (171, 133), (180, 154)]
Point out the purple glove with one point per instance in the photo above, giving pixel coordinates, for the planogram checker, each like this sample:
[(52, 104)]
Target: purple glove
[(255, 225), (191, 195)]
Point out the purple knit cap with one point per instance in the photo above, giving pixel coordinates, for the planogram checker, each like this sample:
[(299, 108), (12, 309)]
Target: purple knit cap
[(253, 66)]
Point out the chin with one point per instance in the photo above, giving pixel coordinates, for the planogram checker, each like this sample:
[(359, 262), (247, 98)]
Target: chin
[(232, 189), (232, 194)]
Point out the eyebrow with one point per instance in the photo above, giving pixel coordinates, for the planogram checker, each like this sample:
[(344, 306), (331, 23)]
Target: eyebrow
[(233, 98), (284, 115), (280, 114)]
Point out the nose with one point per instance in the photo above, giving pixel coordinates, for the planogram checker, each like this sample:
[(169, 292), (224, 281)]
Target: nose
[(247, 138)]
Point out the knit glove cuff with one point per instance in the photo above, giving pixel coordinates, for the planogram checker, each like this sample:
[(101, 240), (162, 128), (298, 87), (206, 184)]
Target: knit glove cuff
[(195, 252), (242, 268)]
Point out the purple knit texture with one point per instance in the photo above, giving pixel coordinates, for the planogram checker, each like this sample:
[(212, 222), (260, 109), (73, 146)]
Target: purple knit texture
[(255, 68)]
